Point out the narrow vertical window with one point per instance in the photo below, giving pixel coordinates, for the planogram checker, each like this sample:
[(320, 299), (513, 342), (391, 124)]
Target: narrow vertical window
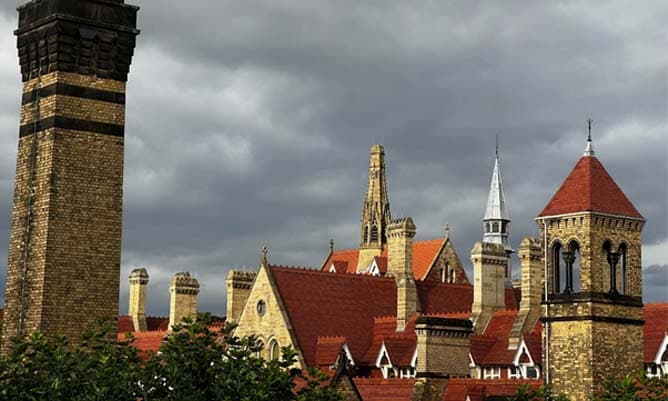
[(374, 233), (576, 271), (622, 282), (558, 272)]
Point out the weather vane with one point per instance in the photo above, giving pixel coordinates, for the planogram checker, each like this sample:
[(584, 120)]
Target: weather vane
[(589, 121)]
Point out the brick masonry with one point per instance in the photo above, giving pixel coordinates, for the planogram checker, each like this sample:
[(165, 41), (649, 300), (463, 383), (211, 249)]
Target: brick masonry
[(272, 323), (65, 239), (592, 334), (489, 271)]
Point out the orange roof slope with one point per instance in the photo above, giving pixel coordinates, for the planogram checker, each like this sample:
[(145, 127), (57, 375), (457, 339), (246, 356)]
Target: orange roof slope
[(589, 187), (424, 253), (656, 327)]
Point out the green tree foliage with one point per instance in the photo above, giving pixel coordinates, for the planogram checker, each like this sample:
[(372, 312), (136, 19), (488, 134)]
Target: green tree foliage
[(194, 363), (527, 393), (635, 387)]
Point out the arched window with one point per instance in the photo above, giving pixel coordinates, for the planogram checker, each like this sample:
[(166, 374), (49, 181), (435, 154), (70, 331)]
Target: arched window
[(558, 273), (366, 233), (442, 274), (488, 227), (495, 226), (374, 233), (453, 276), (274, 350), (260, 347), (573, 268), (622, 279)]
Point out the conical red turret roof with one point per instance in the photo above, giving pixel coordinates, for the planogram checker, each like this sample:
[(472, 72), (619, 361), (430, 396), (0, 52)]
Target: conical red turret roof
[(589, 187)]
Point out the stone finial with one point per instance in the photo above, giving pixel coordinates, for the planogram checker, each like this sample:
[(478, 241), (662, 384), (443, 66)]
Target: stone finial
[(447, 231), (401, 227), (184, 283), (138, 276)]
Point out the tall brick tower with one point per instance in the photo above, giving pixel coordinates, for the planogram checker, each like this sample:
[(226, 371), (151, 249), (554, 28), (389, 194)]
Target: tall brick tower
[(593, 311), (65, 244), (376, 210)]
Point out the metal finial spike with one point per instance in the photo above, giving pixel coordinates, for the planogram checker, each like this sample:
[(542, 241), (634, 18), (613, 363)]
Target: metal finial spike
[(589, 150), (265, 250), (331, 244), (447, 230), (497, 145)]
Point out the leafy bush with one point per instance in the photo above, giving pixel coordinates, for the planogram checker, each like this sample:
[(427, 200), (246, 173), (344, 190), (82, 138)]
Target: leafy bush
[(194, 363)]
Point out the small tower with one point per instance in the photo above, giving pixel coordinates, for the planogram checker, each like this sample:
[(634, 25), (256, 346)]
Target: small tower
[(400, 234), (593, 325), (496, 223), (137, 302), (375, 212), (183, 301)]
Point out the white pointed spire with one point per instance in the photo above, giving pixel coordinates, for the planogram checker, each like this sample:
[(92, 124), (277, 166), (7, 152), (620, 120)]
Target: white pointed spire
[(496, 203), (589, 150)]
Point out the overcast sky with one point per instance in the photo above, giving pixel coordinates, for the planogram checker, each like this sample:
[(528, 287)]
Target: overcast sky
[(249, 122)]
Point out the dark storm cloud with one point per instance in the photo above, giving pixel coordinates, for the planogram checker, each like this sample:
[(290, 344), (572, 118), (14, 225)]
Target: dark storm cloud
[(655, 278), (249, 122)]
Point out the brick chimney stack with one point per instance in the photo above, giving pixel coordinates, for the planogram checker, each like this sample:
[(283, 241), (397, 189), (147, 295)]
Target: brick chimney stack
[(489, 271), (183, 303), (400, 233), (137, 302)]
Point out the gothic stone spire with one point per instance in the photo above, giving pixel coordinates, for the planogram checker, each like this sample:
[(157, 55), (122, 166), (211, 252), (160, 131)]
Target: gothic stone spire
[(376, 209)]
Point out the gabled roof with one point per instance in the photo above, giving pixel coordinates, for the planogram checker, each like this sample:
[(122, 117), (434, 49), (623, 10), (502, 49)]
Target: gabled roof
[(655, 329), (589, 187), (328, 350), (329, 304), (498, 329), (320, 303), (424, 253)]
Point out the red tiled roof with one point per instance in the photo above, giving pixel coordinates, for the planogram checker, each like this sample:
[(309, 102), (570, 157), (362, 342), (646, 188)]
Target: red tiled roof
[(424, 253), (153, 323), (381, 262), (491, 348), (319, 303), (340, 266), (328, 349), (145, 342), (347, 256), (401, 349), (655, 329), (458, 389), (589, 187), (437, 297), (385, 389), (534, 343), (329, 304)]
